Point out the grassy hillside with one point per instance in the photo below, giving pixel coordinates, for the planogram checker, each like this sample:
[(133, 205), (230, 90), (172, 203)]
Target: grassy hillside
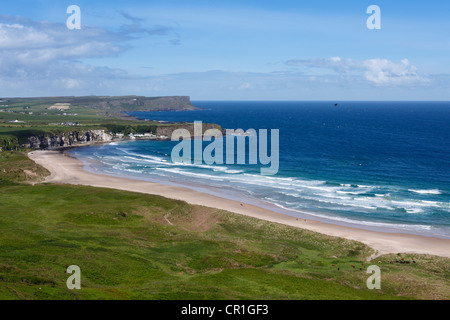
[(17, 167), (136, 246)]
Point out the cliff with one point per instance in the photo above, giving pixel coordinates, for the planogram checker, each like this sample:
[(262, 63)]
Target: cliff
[(167, 130), (67, 139), (77, 138), (160, 103), (139, 103)]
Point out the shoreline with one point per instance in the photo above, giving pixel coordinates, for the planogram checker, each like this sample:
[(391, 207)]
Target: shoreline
[(68, 170)]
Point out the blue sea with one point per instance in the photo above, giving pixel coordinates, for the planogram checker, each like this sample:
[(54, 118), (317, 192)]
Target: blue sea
[(375, 165)]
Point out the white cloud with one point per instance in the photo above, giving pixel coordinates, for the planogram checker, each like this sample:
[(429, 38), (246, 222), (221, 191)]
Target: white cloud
[(386, 72), (43, 55), (377, 71), (41, 58), (245, 86), (39, 44)]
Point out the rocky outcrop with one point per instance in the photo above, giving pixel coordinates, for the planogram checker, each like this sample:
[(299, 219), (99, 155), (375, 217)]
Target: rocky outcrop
[(67, 139), (166, 131), (77, 138)]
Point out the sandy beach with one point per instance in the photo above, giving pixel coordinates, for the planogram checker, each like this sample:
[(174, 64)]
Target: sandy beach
[(67, 170)]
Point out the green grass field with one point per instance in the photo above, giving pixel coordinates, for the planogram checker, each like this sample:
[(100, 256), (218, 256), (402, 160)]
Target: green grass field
[(137, 246), (41, 116)]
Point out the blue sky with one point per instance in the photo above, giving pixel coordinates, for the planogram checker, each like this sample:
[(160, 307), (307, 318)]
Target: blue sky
[(227, 50)]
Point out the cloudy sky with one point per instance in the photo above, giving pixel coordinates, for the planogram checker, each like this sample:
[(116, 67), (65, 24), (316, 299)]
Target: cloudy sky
[(227, 50)]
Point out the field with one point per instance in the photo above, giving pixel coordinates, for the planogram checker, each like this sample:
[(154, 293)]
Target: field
[(136, 246), (21, 118)]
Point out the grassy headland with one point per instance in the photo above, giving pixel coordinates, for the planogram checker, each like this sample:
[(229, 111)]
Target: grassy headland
[(137, 246), (21, 118)]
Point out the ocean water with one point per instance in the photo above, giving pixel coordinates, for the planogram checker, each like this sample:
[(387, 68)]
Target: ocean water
[(375, 165)]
